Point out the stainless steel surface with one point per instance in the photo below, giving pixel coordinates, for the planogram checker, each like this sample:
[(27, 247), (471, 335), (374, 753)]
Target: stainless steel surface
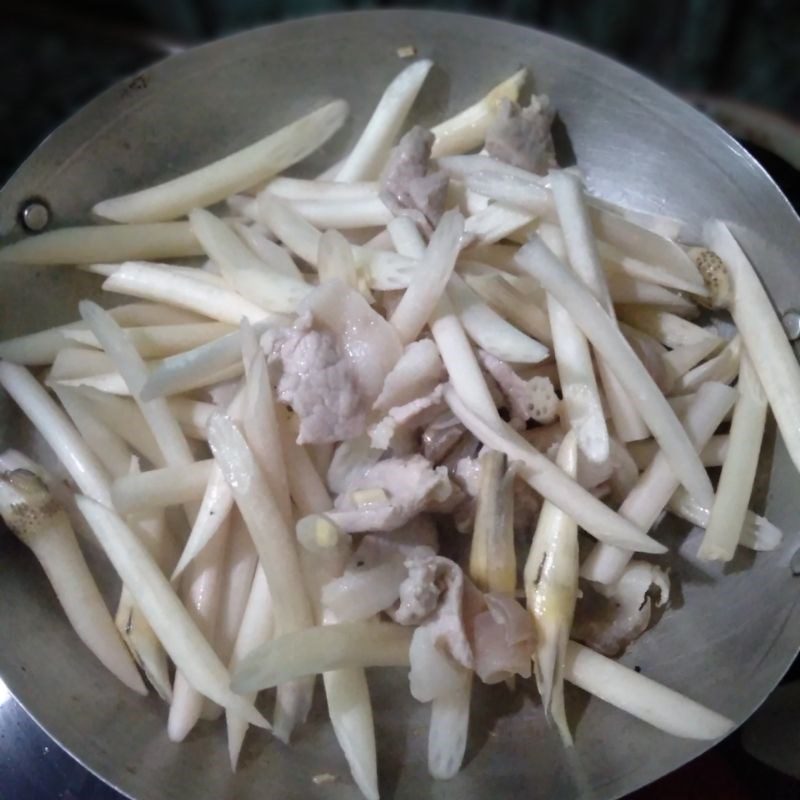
[(791, 323), (35, 216), (773, 735), (728, 637)]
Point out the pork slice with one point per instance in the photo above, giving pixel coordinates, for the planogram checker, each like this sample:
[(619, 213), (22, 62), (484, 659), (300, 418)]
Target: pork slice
[(521, 136)]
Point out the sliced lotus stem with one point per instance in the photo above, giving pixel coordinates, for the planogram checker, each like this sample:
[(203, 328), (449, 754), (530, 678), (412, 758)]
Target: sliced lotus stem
[(159, 488), (142, 314), (429, 281), (335, 260), (258, 626), (193, 415), (78, 362), (681, 360), (492, 561), (315, 650), (35, 517), (56, 429), (757, 532), (273, 255), (90, 243), (107, 382), (370, 152), (633, 291), (712, 455), (724, 367), (242, 269), (511, 305), (552, 483), (763, 335), (273, 541), (669, 329), (234, 173), (642, 697), (160, 340), (739, 470), (122, 416), (551, 589), (496, 222), (140, 279), (160, 418), (460, 361), (467, 129), (610, 345), (489, 330), (202, 591), (344, 214), (462, 167), (304, 189), (183, 641), (658, 482), (448, 729)]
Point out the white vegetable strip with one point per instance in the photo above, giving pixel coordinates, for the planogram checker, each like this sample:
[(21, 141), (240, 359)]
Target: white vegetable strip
[(550, 481), (273, 255), (370, 152), (234, 173), (274, 542), (658, 482), (160, 340), (154, 596), (551, 589), (303, 189), (449, 725), (140, 279), (430, 279), (335, 260), (56, 429), (739, 470), (466, 130), (763, 335), (158, 488), (712, 455), (672, 331), (242, 269), (345, 645), (33, 515), (536, 259), (723, 367), (344, 214), (489, 330), (626, 290), (78, 362), (90, 243), (494, 223), (642, 697), (679, 361)]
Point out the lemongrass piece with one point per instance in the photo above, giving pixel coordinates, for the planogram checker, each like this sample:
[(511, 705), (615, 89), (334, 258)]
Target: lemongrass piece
[(39, 522), (460, 361), (242, 269), (430, 279), (344, 645), (466, 130), (494, 223), (448, 728), (489, 330), (723, 367), (185, 644), (739, 470), (89, 243), (56, 429), (757, 532), (551, 482), (712, 455), (201, 596), (304, 189), (669, 329), (140, 279), (607, 340), (167, 432), (111, 449), (234, 173), (273, 541), (344, 214), (681, 360), (369, 154), (258, 625), (158, 488), (551, 589), (273, 255), (658, 482), (642, 697)]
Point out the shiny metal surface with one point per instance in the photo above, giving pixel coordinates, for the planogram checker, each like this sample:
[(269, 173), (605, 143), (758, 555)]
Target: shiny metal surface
[(727, 638)]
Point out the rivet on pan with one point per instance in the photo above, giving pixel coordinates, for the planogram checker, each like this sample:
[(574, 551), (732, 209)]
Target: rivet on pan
[(794, 564), (791, 324), (35, 215)]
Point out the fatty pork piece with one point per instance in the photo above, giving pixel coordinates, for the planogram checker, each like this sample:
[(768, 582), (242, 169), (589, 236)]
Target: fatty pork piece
[(407, 186), (521, 136), (390, 493), (609, 618), (334, 360)]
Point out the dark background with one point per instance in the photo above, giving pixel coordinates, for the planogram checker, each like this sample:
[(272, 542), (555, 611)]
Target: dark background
[(55, 56)]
